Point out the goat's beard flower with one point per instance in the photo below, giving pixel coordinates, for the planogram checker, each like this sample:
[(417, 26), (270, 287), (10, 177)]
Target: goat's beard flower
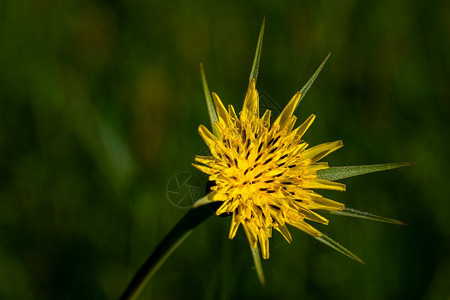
[(265, 174)]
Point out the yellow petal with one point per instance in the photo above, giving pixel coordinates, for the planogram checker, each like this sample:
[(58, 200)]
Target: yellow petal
[(285, 232), (264, 243), (208, 137), (305, 227), (318, 152), (250, 231), (324, 184), (203, 169), (235, 222), (250, 109), (313, 168), (319, 202), (302, 128), (266, 118), (287, 112), (222, 113), (223, 208), (231, 112), (206, 160)]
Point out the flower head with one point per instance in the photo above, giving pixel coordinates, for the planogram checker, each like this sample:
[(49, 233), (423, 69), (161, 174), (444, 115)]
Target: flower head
[(265, 174)]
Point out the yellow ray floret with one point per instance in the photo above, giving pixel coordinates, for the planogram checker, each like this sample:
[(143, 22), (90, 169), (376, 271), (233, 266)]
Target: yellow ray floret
[(265, 174)]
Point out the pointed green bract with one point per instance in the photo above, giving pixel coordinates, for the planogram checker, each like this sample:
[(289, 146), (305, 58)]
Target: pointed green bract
[(306, 87), (255, 66), (209, 102), (338, 247), (350, 212), (258, 265), (337, 173)]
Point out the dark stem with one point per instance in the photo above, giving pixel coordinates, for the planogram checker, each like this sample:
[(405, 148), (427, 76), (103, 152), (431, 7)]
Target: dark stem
[(181, 230)]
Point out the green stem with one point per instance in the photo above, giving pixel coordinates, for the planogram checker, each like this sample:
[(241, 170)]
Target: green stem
[(172, 240)]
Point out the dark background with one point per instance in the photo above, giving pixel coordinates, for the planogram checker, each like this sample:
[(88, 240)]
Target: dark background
[(100, 105)]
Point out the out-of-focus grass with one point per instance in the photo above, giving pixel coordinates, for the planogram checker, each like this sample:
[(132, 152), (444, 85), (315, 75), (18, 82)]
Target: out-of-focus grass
[(100, 104)]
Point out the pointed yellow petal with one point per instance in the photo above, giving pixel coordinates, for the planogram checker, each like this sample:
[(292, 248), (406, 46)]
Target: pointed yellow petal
[(221, 111), (290, 124), (302, 128), (310, 215), (324, 184), (231, 112), (250, 110), (206, 160), (313, 168), (287, 112), (223, 208), (250, 231), (305, 227), (322, 203), (285, 232), (235, 222), (264, 242), (266, 118), (217, 196), (208, 137), (203, 169), (318, 152)]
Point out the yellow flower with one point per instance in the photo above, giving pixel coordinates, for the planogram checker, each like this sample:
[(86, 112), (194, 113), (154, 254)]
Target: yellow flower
[(265, 175)]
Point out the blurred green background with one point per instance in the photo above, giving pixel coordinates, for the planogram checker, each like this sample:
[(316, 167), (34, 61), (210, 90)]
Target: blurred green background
[(100, 105)]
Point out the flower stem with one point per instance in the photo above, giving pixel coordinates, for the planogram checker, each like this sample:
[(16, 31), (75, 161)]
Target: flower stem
[(171, 241)]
